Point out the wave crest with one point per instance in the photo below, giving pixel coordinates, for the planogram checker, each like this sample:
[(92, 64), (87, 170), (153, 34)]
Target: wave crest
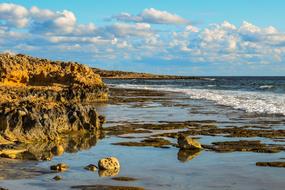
[(257, 102)]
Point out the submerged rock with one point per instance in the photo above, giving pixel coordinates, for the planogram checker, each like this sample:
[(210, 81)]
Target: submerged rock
[(124, 179), (154, 142), (244, 146), (91, 167), (109, 163), (61, 167), (185, 142), (57, 178), (271, 164)]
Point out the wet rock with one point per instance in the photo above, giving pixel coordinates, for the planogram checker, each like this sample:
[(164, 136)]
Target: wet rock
[(57, 178), (91, 167), (154, 142), (244, 146), (57, 150), (185, 142), (109, 163), (61, 167), (271, 164)]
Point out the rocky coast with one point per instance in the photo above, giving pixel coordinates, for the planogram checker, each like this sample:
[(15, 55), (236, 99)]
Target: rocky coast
[(43, 101), (52, 112)]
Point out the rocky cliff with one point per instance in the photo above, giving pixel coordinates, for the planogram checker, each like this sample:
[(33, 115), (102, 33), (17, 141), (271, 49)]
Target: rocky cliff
[(41, 100)]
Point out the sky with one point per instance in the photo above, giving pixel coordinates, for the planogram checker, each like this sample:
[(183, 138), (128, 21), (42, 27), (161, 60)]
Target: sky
[(185, 37)]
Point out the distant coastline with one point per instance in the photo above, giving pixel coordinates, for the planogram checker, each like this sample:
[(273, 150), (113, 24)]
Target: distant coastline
[(110, 74)]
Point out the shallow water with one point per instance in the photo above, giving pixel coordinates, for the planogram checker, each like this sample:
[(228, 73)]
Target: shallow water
[(162, 168)]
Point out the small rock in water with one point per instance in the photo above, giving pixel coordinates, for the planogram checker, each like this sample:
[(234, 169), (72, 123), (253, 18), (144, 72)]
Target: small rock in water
[(91, 167), (185, 142), (57, 150), (109, 163), (57, 178), (59, 167)]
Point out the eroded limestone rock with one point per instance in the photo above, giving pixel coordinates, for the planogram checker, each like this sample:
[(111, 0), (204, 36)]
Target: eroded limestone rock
[(41, 100), (109, 163)]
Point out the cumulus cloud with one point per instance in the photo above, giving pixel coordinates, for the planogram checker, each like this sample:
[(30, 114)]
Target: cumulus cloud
[(34, 30), (152, 16), (52, 22), (125, 30), (13, 15)]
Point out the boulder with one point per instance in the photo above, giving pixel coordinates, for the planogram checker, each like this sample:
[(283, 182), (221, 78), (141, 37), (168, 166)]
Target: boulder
[(185, 142), (109, 163)]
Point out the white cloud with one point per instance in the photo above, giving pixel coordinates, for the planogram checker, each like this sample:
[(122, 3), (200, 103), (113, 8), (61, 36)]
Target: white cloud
[(52, 22), (152, 16), (35, 30), (13, 15), (191, 28), (41, 14), (125, 30)]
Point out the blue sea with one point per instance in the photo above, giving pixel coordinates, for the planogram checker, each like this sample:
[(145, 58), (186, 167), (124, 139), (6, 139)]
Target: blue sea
[(265, 95)]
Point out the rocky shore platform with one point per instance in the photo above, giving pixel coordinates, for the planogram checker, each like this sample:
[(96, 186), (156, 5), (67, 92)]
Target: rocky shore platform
[(43, 102)]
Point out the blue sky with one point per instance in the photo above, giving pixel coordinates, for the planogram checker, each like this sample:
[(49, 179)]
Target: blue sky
[(205, 37)]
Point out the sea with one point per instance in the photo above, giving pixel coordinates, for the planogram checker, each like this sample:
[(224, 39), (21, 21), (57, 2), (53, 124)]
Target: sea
[(251, 94)]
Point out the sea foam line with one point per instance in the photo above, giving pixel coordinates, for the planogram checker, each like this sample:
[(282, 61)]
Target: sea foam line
[(257, 102)]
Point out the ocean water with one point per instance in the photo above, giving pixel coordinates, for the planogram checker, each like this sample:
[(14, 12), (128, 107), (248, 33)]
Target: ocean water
[(263, 95)]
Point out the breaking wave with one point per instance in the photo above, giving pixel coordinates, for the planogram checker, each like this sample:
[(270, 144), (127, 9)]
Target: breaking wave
[(271, 103)]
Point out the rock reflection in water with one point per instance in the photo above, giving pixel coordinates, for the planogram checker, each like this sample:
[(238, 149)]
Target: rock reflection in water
[(47, 150), (17, 169), (187, 155), (108, 173)]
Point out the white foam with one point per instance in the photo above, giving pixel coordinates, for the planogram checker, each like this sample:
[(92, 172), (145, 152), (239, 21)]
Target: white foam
[(271, 103), (210, 79), (266, 86)]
